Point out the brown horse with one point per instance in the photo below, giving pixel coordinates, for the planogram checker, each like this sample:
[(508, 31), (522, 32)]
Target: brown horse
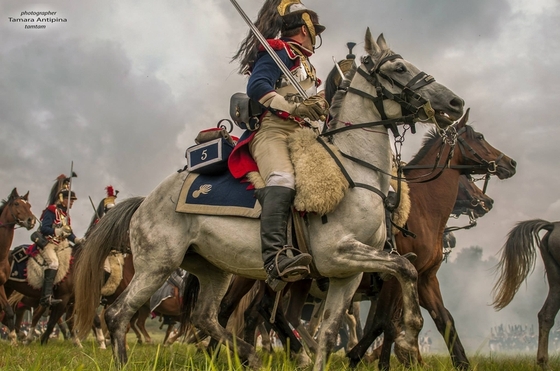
[(518, 260), (466, 151), (15, 210), (471, 200), (21, 305), (64, 291), (171, 308)]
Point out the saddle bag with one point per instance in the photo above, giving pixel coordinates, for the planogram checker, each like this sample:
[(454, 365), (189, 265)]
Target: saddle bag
[(20, 253), (39, 240), (211, 153), (245, 112)]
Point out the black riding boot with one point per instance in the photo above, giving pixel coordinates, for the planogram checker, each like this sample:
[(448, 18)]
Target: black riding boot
[(47, 298), (282, 263)]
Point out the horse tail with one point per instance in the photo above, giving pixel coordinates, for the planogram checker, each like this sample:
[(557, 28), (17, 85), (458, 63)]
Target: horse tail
[(110, 233), (190, 297), (517, 260)]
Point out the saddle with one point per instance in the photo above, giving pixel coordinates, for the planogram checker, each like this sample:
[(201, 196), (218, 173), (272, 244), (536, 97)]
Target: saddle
[(30, 269)]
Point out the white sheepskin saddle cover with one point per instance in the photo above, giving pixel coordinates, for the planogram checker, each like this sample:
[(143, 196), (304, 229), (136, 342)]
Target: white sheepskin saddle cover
[(35, 266), (320, 184), (114, 266)]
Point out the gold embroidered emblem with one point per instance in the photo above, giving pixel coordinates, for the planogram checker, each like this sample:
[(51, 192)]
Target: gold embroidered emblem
[(204, 189)]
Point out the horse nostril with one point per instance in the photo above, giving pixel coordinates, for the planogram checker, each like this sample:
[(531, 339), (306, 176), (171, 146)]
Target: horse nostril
[(458, 103), (513, 163)]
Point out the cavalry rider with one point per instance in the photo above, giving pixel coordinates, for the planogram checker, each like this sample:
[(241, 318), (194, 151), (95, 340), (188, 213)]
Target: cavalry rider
[(55, 227), (285, 112), (104, 206)]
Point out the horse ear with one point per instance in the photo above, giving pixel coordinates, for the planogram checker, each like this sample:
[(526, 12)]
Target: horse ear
[(26, 196), (371, 46), (465, 118), (14, 193), (382, 43)]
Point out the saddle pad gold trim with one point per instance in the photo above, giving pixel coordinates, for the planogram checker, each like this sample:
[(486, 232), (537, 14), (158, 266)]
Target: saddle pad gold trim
[(183, 207)]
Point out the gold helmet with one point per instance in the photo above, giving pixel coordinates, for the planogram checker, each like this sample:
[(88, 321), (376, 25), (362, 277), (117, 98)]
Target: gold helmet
[(276, 17), (294, 14)]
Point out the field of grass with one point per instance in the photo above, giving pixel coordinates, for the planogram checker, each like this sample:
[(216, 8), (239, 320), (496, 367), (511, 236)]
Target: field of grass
[(61, 355)]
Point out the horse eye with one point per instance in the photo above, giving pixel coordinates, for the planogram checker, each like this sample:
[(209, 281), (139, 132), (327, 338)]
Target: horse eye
[(401, 68), (480, 137)]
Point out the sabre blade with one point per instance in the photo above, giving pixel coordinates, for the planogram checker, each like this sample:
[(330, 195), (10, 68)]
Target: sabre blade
[(270, 51)]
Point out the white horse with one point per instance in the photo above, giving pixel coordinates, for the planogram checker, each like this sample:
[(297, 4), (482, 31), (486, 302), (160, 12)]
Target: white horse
[(215, 247)]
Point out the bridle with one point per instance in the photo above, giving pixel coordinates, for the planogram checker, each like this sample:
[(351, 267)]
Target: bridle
[(371, 72), (16, 220)]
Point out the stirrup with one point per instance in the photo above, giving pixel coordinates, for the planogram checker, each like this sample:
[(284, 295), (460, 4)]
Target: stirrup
[(295, 270)]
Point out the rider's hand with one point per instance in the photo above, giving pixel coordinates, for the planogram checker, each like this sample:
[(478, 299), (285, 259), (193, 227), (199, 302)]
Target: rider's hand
[(79, 241), (315, 108)]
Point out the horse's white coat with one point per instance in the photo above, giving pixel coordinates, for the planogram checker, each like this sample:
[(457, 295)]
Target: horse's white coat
[(349, 244)]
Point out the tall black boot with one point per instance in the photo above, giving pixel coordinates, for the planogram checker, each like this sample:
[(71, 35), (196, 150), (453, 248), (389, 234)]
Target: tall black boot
[(282, 263), (47, 298)]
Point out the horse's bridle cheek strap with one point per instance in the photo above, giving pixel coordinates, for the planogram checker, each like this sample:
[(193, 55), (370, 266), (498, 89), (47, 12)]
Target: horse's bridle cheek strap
[(491, 166)]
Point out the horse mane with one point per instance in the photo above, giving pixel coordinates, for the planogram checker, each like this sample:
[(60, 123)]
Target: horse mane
[(429, 140), (338, 97), (3, 206)]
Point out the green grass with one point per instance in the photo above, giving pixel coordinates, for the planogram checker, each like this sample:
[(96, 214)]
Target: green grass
[(61, 355)]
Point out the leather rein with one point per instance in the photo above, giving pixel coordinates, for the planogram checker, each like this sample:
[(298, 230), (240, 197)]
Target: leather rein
[(371, 72)]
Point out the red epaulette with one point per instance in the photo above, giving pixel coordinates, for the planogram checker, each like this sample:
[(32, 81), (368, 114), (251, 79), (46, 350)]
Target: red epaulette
[(52, 208), (278, 44)]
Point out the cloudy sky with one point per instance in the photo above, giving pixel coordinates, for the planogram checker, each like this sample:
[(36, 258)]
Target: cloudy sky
[(122, 88)]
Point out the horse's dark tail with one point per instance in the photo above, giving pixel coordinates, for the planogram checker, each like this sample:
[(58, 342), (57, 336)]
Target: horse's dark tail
[(518, 259), (190, 297), (110, 233)]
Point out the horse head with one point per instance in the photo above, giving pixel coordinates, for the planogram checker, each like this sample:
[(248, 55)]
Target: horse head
[(18, 210), (471, 199), (415, 91), (477, 153)]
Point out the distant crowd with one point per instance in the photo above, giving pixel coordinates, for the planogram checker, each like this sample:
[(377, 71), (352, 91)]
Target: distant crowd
[(514, 338)]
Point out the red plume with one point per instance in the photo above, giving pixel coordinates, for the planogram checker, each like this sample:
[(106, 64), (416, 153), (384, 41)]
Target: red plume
[(110, 191)]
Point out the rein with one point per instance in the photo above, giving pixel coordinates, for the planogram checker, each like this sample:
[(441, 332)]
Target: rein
[(370, 72)]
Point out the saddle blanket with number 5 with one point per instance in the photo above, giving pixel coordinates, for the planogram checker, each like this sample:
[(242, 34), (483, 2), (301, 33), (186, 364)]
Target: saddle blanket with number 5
[(220, 194)]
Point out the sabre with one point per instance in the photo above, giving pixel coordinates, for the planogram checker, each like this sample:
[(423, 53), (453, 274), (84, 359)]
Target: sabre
[(70, 191), (270, 51), (94, 209)]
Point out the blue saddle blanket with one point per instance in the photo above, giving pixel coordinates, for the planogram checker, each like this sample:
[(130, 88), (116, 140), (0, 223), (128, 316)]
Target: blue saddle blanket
[(217, 195), (18, 268)]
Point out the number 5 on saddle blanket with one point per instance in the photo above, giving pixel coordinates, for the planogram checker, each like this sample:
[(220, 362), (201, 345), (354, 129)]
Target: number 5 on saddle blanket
[(212, 190)]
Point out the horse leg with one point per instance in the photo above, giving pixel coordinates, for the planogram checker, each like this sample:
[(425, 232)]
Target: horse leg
[(352, 324), (34, 322), (552, 303), (432, 301), (9, 316), (339, 296), (98, 332), (252, 315), (239, 287), (214, 284), (140, 323), (298, 294), (149, 276), (379, 321), (265, 336)]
